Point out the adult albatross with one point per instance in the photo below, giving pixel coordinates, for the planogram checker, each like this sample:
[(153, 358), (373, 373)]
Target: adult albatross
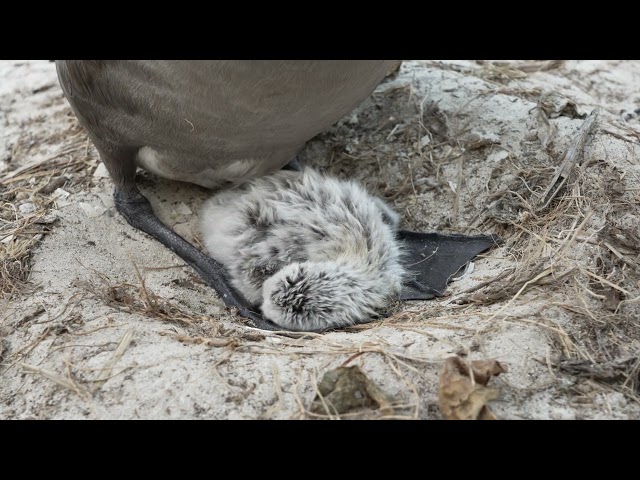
[(215, 123)]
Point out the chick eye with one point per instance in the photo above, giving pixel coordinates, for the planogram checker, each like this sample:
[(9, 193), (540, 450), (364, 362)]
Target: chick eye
[(278, 299)]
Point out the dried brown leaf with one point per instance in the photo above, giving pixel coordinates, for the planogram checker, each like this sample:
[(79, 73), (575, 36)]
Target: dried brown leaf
[(483, 370), (347, 388), (463, 394)]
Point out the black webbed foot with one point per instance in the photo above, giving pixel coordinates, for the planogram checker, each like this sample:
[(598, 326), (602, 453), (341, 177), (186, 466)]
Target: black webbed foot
[(433, 258), (137, 210)]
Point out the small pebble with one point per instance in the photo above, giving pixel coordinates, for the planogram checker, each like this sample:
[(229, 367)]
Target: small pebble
[(90, 210), (101, 171), (49, 217), (107, 200), (183, 209), (26, 208), (60, 193)]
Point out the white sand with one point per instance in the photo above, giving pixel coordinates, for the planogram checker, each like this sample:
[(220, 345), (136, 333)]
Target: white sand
[(270, 376)]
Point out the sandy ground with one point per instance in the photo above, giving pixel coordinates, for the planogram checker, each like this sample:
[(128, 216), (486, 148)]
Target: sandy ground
[(99, 321)]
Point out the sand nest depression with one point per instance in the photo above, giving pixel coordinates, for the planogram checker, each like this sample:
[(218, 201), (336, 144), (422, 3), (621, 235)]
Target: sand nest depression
[(99, 321)]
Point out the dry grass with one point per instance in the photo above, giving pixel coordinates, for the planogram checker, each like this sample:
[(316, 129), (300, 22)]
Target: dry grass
[(107, 370), (32, 186), (559, 245), (137, 299), (567, 229), (576, 253), (207, 331)]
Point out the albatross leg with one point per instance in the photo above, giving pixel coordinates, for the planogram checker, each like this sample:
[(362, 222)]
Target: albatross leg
[(136, 209)]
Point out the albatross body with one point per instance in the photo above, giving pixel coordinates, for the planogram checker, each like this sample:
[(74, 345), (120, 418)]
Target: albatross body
[(212, 123)]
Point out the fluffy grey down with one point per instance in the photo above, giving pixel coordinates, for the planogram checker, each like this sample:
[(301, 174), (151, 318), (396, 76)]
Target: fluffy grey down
[(314, 251)]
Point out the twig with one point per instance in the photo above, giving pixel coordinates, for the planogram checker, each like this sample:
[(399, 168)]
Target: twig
[(543, 274), (570, 159), (500, 276), (620, 137), (105, 374), (456, 202), (538, 66), (604, 280), (143, 287), (54, 377), (24, 168)]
